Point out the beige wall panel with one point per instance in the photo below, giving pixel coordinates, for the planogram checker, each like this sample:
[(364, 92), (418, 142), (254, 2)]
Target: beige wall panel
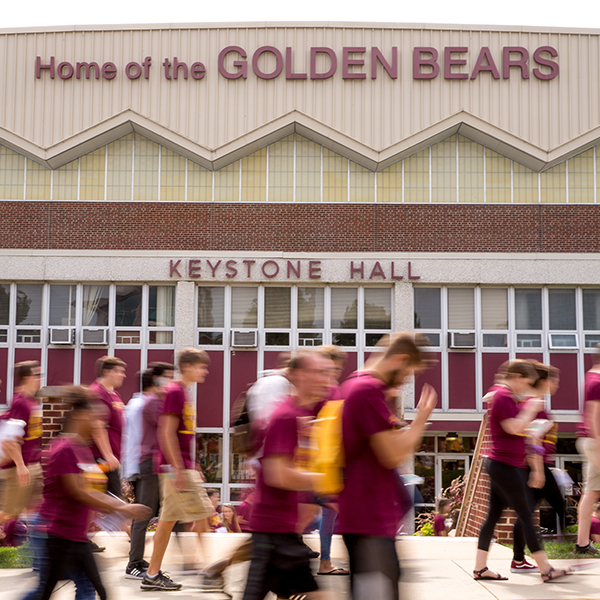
[(376, 114)]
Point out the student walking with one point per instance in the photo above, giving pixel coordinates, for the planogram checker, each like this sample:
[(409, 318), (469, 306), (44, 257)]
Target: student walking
[(506, 467), (183, 496), (374, 445)]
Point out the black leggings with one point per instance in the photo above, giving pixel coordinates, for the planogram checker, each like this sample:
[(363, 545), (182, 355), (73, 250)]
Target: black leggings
[(551, 492), (508, 488), (66, 556)]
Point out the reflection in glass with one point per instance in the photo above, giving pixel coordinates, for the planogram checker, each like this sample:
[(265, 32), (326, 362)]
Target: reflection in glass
[(211, 307), (529, 340), (209, 456), (29, 336), (310, 339), (428, 313), (95, 306), (240, 469), (344, 308), (128, 337), (591, 309), (29, 304), (244, 307), (561, 305), (277, 307), (528, 308), (371, 339), (4, 303), (277, 338), (343, 339), (161, 306), (451, 470), (424, 467), (495, 340), (161, 337), (62, 305), (210, 338), (310, 308), (128, 306), (378, 308)]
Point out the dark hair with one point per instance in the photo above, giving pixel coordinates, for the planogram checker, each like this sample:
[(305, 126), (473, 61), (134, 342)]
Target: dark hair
[(210, 492), (77, 398), (108, 363), (443, 502), (192, 356), (409, 344), (158, 368), (522, 368), (147, 379), (25, 369), (542, 372), (301, 360)]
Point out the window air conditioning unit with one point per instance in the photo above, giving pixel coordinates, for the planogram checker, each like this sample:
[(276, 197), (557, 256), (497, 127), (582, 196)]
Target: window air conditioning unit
[(91, 336), (244, 339), (461, 339), (62, 336)]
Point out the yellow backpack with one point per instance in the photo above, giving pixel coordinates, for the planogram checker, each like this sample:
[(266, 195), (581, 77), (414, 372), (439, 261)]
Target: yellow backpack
[(328, 455)]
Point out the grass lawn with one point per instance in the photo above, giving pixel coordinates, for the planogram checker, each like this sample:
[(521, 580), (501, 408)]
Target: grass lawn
[(15, 558), (556, 550)]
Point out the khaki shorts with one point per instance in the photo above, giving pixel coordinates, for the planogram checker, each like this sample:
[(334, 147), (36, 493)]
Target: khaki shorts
[(14, 498), (186, 505), (588, 448)]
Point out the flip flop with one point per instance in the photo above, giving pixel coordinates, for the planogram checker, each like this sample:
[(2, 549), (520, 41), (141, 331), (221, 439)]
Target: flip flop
[(335, 571), (554, 574), (478, 576)]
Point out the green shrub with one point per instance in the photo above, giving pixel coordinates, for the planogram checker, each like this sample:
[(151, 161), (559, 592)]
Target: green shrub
[(425, 529), (570, 529), (15, 558)]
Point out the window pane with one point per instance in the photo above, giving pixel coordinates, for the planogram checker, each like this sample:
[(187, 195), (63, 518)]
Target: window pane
[(62, 304), (227, 183), (362, 184), (378, 308), (161, 306), (389, 183), (495, 340), (497, 177), (528, 309), (95, 306), (92, 171), (118, 181), (494, 308), (581, 177), (209, 455), (461, 308), (561, 304), (244, 307), (12, 167), (428, 313), (211, 307), (470, 170), (29, 304), (529, 340), (344, 304), (145, 173), (4, 303), (416, 177), (210, 338), (281, 170), (308, 170), (310, 308), (591, 309), (335, 177), (128, 307), (443, 171), (277, 308), (254, 177), (343, 339)]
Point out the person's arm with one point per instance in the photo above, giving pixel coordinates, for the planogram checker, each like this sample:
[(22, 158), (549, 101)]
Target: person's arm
[(593, 413), (13, 450), (537, 478), (169, 443), (75, 485), (279, 472), (100, 437), (392, 446), (517, 425)]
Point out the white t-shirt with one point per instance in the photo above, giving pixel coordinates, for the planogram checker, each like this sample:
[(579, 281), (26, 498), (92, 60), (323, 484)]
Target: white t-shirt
[(131, 443)]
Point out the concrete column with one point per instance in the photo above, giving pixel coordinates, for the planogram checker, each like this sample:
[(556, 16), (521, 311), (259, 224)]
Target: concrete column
[(185, 315)]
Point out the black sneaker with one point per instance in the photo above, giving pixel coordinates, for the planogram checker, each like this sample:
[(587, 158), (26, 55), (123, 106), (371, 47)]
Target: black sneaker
[(162, 582), (96, 548), (212, 583), (136, 571), (589, 549)]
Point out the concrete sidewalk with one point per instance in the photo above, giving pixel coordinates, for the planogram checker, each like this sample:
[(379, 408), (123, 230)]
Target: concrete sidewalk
[(432, 568)]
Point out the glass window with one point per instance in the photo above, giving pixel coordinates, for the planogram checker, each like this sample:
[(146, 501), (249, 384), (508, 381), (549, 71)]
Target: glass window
[(199, 183), (244, 307), (581, 177), (362, 184), (95, 306), (227, 183), (211, 307), (308, 170), (443, 171), (38, 181), (529, 340), (428, 312), (4, 303), (118, 182), (277, 308), (29, 304), (209, 456), (65, 181), (210, 338), (528, 308), (335, 177), (497, 177), (172, 175), (145, 171), (525, 184), (161, 306), (310, 308), (425, 468), (254, 177), (389, 183), (343, 339), (561, 305), (416, 177), (12, 167), (62, 304), (591, 309), (378, 308), (92, 172), (470, 170), (128, 307), (281, 170), (344, 305), (494, 308), (461, 308), (553, 184)]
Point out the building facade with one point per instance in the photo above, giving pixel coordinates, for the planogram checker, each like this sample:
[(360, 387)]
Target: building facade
[(257, 188)]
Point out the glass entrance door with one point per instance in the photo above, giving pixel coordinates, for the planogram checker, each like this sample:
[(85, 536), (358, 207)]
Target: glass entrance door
[(449, 468), (573, 465)]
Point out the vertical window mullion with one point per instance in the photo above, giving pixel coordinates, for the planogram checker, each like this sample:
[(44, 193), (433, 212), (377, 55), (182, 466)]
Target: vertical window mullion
[(429, 174), (294, 178), (267, 180), (105, 172), (159, 168)]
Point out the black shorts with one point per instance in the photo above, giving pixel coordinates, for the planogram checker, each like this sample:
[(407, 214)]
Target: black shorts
[(280, 564)]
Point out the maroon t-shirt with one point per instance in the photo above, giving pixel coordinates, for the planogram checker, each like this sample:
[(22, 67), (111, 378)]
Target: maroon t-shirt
[(179, 404), (439, 524), (275, 510), (369, 501), (66, 517), (151, 410), (27, 409), (113, 417), (595, 526), (592, 394), (244, 510), (506, 448)]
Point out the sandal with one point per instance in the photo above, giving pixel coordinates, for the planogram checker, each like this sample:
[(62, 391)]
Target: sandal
[(478, 576), (335, 571), (553, 574)]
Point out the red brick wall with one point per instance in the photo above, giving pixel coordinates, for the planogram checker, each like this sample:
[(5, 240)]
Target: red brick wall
[(299, 227), (53, 411)]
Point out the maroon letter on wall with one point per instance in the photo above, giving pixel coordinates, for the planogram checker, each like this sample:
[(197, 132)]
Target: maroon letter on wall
[(347, 62), (173, 268), (449, 62), (313, 63), (291, 269), (314, 269), (354, 269), (377, 56), (544, 62), (109, 70), (39, 66), (289, 66), (231, 270), (194, 265), (278, 62), (418, 62), (264, 269), (242, 64), (88, 67), (507, 63), (486, 53)]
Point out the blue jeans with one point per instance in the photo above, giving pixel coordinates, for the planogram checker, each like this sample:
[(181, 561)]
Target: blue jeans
[(326, 529)]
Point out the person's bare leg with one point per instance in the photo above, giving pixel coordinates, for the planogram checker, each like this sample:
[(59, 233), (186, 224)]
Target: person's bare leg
[(306, 514), (161, 541), (201, 528), (584, 516)]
